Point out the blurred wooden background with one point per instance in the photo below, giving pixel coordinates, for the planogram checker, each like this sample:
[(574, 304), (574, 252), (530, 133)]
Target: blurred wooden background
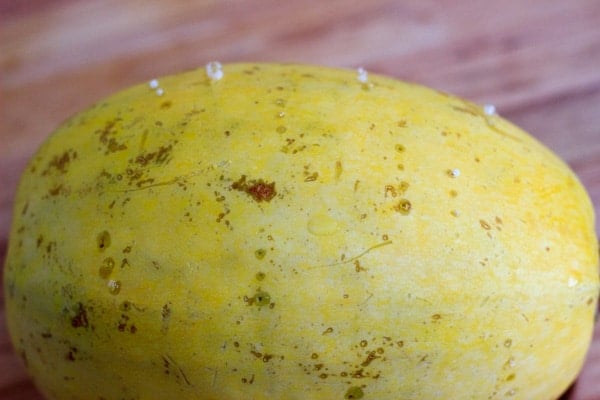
[(538, 61)]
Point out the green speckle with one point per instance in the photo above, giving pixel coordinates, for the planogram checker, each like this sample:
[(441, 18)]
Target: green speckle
[(260, 254), (260, 276), (262, 298), (107, 267), (355, 392)]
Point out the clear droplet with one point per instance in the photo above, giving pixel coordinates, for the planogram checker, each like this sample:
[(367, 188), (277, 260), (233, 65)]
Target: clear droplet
[(489, 109), (362, 75), (453, 173), (214, 70), (572, 282), (114, 287)]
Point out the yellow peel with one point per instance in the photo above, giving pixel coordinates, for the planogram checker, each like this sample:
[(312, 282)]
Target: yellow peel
[(170, 243)]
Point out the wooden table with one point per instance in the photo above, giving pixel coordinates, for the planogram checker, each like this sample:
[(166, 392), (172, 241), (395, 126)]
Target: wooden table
[(537, 61)]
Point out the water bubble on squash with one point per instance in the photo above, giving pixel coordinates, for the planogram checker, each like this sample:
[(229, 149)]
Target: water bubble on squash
[(362, 75), (453, 173), (153, 84), (489, 109), (214, 70), (510, 363), (114, 287), (572, 282)]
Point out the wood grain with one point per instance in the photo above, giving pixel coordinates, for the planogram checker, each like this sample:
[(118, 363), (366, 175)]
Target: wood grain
[(538, 61)]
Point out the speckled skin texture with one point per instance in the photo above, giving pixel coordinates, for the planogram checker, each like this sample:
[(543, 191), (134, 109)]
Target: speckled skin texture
[(296, 232)]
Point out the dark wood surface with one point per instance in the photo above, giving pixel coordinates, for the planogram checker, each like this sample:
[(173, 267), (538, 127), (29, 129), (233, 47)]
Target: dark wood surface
[(538, 61)]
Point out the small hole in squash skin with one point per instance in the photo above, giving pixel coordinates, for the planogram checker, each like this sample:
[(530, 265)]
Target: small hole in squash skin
[(260, 299), (355, 392), (103, 240)]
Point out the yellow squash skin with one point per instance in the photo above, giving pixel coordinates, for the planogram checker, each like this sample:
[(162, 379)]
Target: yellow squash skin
[(298, 232)]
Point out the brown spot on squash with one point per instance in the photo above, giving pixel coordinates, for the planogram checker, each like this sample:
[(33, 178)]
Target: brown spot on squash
[(60, 163), (259, 190), (403, 207), (327, 331), (107, 137), (370, 358), (103, 240), (70, 356), (80, 320)]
